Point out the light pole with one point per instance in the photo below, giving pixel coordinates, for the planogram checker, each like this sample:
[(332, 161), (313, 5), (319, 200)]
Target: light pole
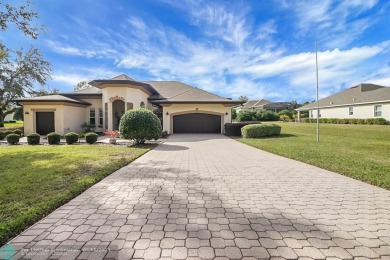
[(318, 103)]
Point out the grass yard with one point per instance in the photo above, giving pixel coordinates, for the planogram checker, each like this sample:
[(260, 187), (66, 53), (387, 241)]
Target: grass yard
[(358, 151), (35, 180), (17, 124)]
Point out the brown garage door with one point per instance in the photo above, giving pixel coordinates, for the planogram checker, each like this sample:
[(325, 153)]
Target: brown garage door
[(45, 122), (197, 123)]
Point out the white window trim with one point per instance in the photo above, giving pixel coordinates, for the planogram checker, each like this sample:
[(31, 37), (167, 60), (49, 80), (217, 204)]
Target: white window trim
[(90, 117), (376, 110)]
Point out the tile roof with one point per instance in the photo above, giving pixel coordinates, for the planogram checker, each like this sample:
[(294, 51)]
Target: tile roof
[(52, 98), (177, 92), (362, 93), (161, 92), (91, 90), (122, 77), (255, 103)]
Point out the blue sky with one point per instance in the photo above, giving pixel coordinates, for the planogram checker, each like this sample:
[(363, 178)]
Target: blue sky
[(261, 49)]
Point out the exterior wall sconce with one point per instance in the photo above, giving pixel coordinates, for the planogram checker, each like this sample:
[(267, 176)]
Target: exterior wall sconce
[(226, 113), (167, 113), (26, 113)]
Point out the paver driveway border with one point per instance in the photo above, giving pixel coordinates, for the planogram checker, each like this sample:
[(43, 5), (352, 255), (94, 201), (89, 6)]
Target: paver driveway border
[(211, 197)]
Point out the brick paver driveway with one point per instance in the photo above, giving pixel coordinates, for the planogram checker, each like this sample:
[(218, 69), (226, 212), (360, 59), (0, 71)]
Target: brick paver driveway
[(208, 196)]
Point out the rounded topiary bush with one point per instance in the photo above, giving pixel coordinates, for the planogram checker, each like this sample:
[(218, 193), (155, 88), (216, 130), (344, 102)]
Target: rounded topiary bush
[(260, 130), (91, 138), (53, 138), (33, 139), (140, 125), (13, 138), (2, 135), (18, 132), (71, 137)]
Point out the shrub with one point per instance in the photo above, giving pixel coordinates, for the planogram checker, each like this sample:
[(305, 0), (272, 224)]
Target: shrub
[(91, 138), (246, 115), (71, 137), (260, 130), (7, 132), (33, 139), (284, 118), (13, 138), (140, 125), (234, 129), (234, 114), (18, 132), (380, 121), (87, 128), (2, 135), (286, 113), (164, 134), (53, 138)]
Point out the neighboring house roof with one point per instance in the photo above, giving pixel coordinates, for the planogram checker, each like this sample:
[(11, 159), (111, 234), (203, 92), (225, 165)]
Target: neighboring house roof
[(160, 92), (360, 94), (53, 98), (254, 103), (278, 105)]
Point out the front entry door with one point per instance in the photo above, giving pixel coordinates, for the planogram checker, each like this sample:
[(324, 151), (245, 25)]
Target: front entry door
[(45, 122)]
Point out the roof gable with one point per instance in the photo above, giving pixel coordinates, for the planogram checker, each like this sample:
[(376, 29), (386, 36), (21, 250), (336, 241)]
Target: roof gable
[(362, 93)]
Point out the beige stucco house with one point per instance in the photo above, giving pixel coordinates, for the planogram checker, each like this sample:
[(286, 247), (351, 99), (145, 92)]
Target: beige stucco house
[(361, 101), (182, 108)]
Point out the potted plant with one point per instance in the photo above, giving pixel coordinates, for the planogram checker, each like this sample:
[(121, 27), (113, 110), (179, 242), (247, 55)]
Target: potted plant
[(113, 135)]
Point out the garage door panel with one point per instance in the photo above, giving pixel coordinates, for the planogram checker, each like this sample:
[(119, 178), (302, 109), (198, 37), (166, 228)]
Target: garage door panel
[(197, 123), (44, 122)]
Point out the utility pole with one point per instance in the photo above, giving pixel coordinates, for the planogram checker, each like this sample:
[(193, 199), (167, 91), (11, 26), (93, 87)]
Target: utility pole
[(318, 103)]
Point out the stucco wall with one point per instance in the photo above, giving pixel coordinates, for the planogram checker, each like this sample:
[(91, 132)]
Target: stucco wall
[(129, 94), (194, 108), (95, 104), (30, 118), (359, 111), (73, 118)]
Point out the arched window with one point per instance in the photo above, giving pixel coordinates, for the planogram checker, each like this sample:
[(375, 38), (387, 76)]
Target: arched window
[(142, 105)]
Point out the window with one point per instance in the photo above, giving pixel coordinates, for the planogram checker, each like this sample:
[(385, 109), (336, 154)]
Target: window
[(311, 113), (351, 111), (100, 117), (92, 117), (142, 105), (378, 110), (319, 113)]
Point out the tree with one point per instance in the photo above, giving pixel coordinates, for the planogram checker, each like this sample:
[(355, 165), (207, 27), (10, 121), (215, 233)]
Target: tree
[(17, 77), (19, 70), (243, 98), (22, 17), (82, 85)]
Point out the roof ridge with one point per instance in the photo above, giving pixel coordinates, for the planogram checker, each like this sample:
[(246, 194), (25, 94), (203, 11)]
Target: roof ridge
[(209, 92)]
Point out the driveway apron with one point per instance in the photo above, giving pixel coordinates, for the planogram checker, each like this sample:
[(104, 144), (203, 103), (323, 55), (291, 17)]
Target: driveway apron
[(211, 197)]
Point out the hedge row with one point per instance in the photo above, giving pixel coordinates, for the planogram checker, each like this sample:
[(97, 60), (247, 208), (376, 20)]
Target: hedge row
[(259, 115), (5, 133), (52, 138), (234, 129), (355, 121), (260, 130)]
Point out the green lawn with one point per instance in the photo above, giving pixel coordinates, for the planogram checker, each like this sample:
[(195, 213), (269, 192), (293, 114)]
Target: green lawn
[(17, 124), (35, 180), (358, 151)]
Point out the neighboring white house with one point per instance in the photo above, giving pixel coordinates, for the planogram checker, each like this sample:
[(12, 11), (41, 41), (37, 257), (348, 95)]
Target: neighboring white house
[(182, 108), (361, 101), (9, 117)]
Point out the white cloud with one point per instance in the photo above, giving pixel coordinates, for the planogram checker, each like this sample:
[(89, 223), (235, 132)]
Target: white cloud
[(335, 23)]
